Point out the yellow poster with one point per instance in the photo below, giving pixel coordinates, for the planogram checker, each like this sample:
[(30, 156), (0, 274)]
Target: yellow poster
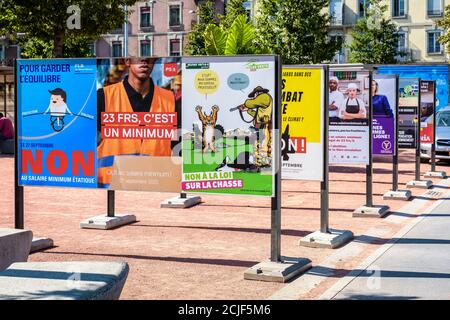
[(302, 123)]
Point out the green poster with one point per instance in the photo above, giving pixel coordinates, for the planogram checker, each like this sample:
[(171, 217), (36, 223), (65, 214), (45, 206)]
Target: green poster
[(228, 122)]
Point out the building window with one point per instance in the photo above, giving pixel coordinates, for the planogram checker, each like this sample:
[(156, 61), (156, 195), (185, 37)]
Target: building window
[(398, 8), (339, 57), (117, 49), (401, 42), (363, 5), (146, 17), (92, 50), (174, 15), (175, 47), (434, 47), (434, 8), (146, 48), (336, 11), (248, 9)]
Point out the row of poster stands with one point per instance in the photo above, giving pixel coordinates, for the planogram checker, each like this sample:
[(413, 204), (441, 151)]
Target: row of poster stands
[(232, 125)]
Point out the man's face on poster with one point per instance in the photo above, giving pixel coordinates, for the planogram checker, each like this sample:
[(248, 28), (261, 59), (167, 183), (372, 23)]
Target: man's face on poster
[(140, 68), (333, 85)]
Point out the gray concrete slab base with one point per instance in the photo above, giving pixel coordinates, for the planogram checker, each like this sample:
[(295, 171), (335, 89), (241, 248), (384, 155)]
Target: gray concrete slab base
[(63, 280), (435, 174), (106, 223), (14, 246), (183, 203), (397, 195), (270, 271), (421, 184), (373, 211), (333, 239), (39, 244)]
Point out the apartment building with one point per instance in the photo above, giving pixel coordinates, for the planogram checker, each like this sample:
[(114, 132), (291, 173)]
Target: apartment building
[(416, 19), (155, 28)]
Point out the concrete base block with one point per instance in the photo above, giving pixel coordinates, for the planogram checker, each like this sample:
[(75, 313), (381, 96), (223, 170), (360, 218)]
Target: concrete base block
[(397, 195), (63, 281), (106, 223), (422, 184), (278, 271), (435, 174), (39, 244), (14, 246), (374, 211), (183, 203), (333, 239)]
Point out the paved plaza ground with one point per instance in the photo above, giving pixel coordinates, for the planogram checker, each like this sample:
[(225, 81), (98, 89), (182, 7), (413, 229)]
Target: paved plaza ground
[(202, 252)]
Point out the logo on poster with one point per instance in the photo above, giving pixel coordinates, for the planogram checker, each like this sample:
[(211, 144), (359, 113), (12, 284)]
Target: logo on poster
[(386, 145), (254, 66)]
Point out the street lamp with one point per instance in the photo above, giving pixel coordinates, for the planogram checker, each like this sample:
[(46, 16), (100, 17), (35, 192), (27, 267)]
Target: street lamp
[(125, 30)]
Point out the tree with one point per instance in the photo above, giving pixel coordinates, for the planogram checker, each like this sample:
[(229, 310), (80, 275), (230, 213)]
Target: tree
[(445, 24), (374, 37), (295, 29), (233, 9), (53, 23), (196, 42), (238, 39)]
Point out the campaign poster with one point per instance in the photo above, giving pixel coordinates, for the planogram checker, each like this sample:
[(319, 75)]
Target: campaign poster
[(302, 123), (56, 114), (348, 107), (427, 109), (228, 121), (384, 107), (408, 106), (138, 110), (438, 73)]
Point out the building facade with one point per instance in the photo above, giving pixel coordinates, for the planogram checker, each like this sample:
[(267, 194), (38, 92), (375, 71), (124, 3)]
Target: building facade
[(155, 28), (416, 20)]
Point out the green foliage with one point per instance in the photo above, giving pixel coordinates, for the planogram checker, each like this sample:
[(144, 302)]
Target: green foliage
[(215, 40), (445, 24), (374, 37), (295, 29), (75, 47), (234, 9), (196, 42), (45, 23), (238, 39)]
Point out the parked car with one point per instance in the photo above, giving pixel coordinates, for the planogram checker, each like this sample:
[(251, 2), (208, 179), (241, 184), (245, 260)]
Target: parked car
[(442, 137)]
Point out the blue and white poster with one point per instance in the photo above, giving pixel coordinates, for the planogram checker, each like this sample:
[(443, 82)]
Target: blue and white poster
[(57, 122)]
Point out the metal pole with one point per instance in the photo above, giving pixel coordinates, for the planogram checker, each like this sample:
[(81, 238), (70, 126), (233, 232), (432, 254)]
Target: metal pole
[(369, 167), (395, 157), (4, 94), (417, 171), (111, 203), (18, 190), (275, 243), (433, 143), (125, 31), (325, 183)]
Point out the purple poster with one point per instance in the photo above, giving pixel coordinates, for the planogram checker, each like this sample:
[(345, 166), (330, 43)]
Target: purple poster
[(384, 106), (383, 132)]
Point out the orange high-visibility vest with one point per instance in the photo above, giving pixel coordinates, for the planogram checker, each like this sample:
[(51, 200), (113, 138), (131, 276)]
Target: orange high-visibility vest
[(116, 100)]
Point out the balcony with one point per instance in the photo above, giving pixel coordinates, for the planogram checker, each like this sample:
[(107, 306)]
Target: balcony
[(434, 13), (336, 21), (147, 28), (176, 27), (405, 55)]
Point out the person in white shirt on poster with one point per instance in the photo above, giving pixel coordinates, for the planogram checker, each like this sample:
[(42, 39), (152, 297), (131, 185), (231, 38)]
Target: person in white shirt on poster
[(352, 109), (335, 100)]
